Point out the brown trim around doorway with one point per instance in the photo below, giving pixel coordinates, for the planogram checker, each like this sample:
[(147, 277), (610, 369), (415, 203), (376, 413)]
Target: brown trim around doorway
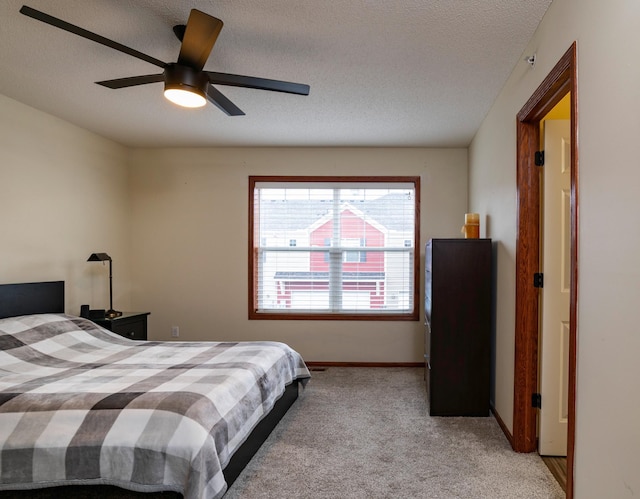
[(561, 80)]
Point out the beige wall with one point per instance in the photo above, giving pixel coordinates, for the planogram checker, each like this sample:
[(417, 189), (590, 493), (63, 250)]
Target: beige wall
[(174, 222), (608, 410), (63, 195), (190, 242)]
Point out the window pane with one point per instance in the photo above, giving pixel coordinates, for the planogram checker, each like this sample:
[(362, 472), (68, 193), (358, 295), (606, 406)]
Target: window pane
[(308, 233)]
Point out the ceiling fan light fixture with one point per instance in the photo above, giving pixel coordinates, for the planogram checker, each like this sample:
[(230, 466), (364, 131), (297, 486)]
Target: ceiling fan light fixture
[(184, 98), (184, 86)]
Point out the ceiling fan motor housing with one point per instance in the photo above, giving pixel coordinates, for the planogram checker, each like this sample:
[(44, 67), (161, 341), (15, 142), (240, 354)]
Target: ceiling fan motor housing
[(185, 78)]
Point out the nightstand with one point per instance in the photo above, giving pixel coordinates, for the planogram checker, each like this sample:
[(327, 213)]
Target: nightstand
[(132, 325)]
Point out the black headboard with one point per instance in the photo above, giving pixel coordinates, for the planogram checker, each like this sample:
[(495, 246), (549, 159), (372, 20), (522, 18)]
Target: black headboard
[(31, 298)]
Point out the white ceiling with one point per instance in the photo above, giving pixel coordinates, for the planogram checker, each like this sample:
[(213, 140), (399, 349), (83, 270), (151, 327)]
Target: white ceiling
[(382, 72)]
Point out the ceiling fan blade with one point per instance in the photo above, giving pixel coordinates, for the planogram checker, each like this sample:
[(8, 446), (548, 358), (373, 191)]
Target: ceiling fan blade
[(224, 104), (131, 81), (200, 35), (59, 23), (258, 83)]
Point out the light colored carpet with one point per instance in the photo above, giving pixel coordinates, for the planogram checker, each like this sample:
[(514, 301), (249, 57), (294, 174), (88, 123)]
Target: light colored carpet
[(366, 433)]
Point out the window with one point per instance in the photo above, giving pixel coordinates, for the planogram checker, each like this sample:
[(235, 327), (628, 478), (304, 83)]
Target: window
[(349, 256), (333, 247)]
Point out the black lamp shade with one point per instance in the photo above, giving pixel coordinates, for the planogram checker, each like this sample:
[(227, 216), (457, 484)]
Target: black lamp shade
[(99, 257)]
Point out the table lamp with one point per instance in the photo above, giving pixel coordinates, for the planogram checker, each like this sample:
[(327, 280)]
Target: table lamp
[(103, 257)]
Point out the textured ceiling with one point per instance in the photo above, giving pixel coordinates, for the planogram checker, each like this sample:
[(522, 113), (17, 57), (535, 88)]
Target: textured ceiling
[(382, 72)]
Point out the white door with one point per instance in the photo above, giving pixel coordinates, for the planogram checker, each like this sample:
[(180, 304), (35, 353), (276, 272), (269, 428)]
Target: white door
[(556, 258)]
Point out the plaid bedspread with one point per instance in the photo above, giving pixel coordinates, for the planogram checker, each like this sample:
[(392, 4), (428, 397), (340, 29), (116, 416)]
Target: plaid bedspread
[(82, 405)]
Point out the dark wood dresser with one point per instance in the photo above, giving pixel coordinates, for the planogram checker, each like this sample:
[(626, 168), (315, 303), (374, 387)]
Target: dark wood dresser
[(132, 325), (458, 309)]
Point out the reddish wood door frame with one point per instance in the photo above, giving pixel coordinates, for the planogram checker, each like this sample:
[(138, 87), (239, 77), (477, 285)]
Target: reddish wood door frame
[(561, 80)]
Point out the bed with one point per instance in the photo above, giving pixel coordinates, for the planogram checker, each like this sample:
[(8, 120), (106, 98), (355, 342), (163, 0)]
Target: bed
[(85, 412)]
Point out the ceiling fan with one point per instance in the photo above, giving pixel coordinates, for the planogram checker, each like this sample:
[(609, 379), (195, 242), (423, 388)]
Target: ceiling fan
[(185, 82)]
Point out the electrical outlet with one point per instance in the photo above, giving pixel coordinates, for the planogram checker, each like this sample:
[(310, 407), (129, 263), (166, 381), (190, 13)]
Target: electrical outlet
[(175, 331)]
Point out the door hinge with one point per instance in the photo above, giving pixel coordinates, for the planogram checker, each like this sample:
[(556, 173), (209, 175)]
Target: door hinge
[(536, 400), (538, 280), (539, 158)]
